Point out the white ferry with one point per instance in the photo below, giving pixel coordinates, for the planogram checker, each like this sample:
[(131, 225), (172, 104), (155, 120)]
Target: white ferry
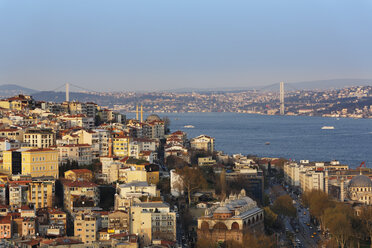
[(188, 126), (328, 127)]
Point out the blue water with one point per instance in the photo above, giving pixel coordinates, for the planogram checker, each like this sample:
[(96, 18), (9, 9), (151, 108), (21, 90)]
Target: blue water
[(291, 137)]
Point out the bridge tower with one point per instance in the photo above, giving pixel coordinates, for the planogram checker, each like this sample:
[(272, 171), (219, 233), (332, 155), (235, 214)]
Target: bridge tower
[(67, 92), (281, 98)]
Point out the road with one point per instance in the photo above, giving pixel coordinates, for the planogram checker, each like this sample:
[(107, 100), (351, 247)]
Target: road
[(308, 234)]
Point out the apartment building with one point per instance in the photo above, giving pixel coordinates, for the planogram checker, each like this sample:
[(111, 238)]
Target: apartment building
[(118, 222), (12, 134), (86, 227), (312, 180), (78, 120), (41, 138), (127, 193), (80, 153), (79, 194), (41, 192), (121, 146), (203, 142), (153, 221), (58, 219), (3, 190), (18, 192), (5, 227), (97, 138)]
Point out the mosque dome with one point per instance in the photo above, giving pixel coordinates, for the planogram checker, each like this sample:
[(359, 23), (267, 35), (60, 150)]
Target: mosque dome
[(153, 117), (360, 181), (222, 210)]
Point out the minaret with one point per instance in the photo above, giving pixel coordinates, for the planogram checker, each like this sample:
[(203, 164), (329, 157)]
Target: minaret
[(141, 113), (137, 112), (110, 148), (326, 182), (67, 92), (281, 98), (342, 193)]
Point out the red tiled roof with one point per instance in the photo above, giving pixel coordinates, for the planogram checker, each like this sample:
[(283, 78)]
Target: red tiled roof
[(5, 220), (81, 171), (55, 211), (26, 208), (39, 150), (75, 145), (82, 184)]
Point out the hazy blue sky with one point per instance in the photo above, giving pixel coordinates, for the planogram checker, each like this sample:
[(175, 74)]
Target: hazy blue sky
[(156, 44)]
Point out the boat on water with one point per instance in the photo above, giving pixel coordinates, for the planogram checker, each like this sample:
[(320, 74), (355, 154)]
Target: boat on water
[(267, 143), (328, 127), (188, 126)]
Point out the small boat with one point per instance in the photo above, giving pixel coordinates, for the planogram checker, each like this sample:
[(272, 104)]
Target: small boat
[(267, 143), (188, 126), (328, 127)]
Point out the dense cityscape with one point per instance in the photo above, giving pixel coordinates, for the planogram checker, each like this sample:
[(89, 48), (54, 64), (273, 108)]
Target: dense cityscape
[(75, 174), (353, 102)]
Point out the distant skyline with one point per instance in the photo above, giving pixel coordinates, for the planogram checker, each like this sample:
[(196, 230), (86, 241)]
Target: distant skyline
[(160, 45)]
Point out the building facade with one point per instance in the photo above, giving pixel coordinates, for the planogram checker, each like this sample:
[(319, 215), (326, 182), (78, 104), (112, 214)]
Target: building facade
[(231, 219)]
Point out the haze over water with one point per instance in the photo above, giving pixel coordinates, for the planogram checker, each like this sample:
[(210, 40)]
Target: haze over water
[(292, 137)]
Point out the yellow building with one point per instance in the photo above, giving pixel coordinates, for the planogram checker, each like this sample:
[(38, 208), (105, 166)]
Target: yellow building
[(33, 162), (18, 102), (121, 146), (41, 192), (152, 173), (79, 175)]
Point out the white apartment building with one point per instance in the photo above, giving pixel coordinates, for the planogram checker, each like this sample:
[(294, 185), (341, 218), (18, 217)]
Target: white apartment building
[(128, 193), (41, 138)]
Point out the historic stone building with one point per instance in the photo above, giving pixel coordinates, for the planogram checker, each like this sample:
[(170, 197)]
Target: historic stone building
[(231, 219), (360, 189)]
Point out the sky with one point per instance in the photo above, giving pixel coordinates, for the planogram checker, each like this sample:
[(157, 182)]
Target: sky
[(151, 45)]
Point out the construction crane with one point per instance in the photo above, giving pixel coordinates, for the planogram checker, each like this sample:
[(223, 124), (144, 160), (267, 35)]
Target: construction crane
[(361, 165)]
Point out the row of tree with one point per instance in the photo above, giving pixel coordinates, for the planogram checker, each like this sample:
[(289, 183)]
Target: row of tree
[(249, 240), (348, 226)]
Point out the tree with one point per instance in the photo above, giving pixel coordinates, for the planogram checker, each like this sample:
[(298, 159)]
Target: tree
[(366, 218), (317, 201), (337, 220), (164, 185), (284, 205), (249, 240), (173, 162), (270, 220), (258, 241), (191, 179), (204, 242)]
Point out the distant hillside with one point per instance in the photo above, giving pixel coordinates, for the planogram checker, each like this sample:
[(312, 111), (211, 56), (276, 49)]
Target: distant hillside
[(331, 84), (7, 90), (103, 100), (305, 85)]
